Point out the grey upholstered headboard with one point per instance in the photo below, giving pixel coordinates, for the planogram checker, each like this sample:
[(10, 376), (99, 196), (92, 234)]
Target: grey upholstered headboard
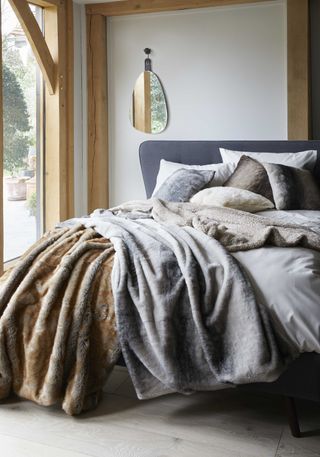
[(203, 152)]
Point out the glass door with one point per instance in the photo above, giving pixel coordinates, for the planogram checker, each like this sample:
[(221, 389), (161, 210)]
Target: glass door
[(22, 137)]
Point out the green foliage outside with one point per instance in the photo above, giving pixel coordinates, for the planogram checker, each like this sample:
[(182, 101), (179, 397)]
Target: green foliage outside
[(32, 204), (17, 133)]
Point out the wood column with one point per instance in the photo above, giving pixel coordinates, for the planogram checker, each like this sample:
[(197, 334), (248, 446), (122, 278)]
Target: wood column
[(98, 192), (59, 168), (299, 100)]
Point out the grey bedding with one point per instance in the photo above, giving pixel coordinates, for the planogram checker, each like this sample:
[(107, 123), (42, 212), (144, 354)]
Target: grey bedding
[(187, 315), (235, 230)]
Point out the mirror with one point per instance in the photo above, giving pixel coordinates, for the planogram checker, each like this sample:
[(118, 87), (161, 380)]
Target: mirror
[(148, 111)]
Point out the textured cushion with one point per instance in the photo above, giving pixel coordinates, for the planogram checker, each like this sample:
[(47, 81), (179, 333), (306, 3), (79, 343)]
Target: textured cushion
[(251, 175), (222, 171), (287, 187), (293, 188), (231, 197), (302, 159), (183, 184)]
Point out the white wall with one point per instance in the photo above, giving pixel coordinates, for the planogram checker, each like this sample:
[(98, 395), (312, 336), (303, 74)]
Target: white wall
[(223, 70)]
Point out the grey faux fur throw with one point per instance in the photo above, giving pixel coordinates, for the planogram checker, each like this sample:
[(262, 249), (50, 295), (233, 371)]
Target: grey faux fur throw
[(187, 315), (58, 338)]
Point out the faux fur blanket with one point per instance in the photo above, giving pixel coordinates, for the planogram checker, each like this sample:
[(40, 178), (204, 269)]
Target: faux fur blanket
[(58, 337), (235, 230), (187, 316)]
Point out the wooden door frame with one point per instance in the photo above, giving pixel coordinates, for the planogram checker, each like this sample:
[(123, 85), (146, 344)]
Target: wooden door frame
[(54, 53), (298, 69), (59, 115)]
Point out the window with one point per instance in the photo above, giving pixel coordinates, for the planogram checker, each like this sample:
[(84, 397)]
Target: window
[(36, 106), (22, 136)]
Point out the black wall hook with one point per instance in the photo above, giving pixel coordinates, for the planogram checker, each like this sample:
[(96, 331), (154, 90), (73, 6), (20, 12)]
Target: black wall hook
[(147, 62)]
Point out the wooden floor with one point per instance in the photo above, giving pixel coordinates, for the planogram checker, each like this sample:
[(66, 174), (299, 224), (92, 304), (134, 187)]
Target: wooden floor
[(220, 424)]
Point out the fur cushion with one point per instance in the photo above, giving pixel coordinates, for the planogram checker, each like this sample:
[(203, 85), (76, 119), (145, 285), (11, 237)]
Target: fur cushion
[(251, 175), (290, 188), (293, 188), (183, 184), (231, 197), (223, 171)]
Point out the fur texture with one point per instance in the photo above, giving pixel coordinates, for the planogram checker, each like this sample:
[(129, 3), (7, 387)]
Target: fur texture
[(293, 188), (235, 230), (187, 316), (232, 197), (251, 175), (58, 338), (287, 187), (183, 184)]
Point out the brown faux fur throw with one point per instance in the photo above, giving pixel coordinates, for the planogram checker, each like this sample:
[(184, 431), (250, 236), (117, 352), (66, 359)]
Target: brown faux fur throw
[(58, 338)]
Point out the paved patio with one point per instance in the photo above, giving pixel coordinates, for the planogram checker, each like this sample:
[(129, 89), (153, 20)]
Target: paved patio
[(19, 228)]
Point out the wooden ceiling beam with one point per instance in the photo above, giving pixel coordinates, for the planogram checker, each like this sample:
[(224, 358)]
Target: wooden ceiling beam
[(121, 8), (37, 42), (44, 3)]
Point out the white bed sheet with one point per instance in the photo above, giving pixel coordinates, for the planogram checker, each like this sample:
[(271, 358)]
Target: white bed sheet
[(287, 281)]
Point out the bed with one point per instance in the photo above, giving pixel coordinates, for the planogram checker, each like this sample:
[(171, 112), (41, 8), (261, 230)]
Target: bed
[(177, 286), (302, 378)]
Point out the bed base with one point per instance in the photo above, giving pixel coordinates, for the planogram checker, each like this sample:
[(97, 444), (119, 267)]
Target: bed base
[(301, 380), (292, 415), (279, 386)]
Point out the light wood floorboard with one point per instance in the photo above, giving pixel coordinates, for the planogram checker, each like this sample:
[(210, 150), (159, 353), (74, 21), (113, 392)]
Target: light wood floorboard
[(118, 376), (12, 446), (216, 424)]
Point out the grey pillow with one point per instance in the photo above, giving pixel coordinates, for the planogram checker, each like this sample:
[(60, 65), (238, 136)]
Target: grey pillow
[(287, 187), (184, 184), (251, 175), (293, 188)]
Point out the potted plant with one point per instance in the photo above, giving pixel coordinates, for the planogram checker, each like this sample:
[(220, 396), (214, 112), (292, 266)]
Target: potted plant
[(16, 189)]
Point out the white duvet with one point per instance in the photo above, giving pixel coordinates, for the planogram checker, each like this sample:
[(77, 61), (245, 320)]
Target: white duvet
[(287, 281)]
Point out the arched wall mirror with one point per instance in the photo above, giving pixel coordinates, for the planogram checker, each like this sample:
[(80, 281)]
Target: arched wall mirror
[(148, 111)]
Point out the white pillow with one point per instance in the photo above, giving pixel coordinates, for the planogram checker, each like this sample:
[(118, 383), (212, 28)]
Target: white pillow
[(222, 171), (232, 197), (302, 159)]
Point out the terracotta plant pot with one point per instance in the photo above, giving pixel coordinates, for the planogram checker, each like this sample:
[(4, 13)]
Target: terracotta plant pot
[(16, 189)]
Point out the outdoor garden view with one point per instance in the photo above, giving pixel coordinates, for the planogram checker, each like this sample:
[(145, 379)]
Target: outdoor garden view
[(21, 106)]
